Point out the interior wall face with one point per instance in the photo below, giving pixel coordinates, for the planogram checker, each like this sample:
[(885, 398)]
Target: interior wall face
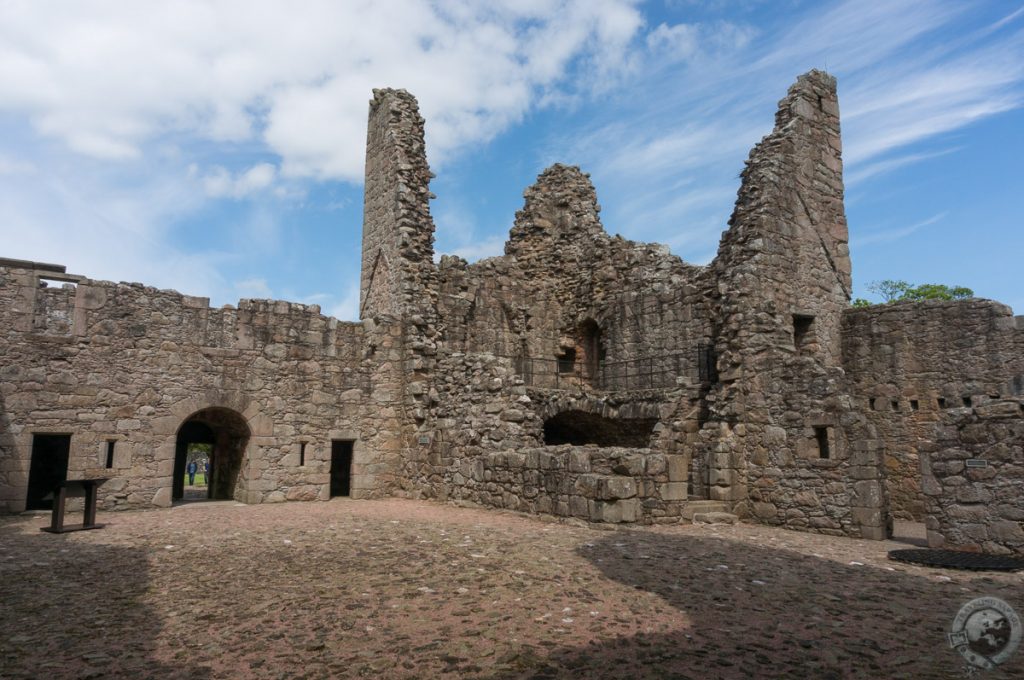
[(907, 369), (128, 364)]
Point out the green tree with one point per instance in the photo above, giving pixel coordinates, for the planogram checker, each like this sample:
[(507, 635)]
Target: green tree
[(899, 291)]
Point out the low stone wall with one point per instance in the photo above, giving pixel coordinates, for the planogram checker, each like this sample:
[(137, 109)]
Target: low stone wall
[(905, 369), (973, 479), (599, 484)]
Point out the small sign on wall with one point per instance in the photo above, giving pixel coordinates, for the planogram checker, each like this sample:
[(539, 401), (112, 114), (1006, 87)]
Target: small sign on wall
[(976, 463), (424, 439)]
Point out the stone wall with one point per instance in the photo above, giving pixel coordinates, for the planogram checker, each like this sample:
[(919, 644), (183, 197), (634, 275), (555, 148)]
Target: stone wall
[(128, 364), (608, 484), (973, 476), (909, 363)]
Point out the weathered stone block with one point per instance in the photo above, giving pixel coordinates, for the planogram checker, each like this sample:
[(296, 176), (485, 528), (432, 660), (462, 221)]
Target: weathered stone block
[(678, 468), (579, 461), (614, 512), (673, 491), (611, 488)]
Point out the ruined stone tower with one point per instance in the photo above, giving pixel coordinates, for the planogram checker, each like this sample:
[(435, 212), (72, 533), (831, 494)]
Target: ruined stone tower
[(398, 231)]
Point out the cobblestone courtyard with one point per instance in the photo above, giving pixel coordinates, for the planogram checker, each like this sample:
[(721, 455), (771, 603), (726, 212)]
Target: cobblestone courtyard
[(392, 589)]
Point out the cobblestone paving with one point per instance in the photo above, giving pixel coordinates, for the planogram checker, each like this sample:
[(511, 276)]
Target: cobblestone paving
[(395, 589)]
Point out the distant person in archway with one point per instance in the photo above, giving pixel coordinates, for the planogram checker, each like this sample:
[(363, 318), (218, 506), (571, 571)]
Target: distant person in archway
[(206, 472), (192, 467)]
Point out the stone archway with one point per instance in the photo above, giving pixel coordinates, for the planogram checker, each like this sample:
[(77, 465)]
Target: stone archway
[(228, 433)]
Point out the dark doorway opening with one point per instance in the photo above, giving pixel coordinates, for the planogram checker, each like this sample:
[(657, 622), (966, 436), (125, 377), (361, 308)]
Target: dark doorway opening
[(225, 435), (49, 467), (580, 428), (341, 468)]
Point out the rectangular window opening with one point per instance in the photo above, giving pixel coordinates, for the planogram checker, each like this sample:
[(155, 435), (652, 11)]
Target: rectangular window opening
[(110, 453), (821, 435), (873, 403), (895, 405), (567, 361), (803, 335), (942, 402), (967, 401), (302, 454), (914, 405)]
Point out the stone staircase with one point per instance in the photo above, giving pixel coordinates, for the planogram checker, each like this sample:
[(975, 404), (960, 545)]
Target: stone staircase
[(708, 512)]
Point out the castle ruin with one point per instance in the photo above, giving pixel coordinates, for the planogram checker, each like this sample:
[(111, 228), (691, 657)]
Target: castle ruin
[(578, 375)]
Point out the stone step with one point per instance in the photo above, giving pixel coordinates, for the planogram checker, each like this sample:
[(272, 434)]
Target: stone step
[(715, 518), (692, 508)]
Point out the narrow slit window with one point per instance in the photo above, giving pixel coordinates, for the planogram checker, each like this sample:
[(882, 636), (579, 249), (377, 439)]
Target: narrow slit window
[(873, 404), (302, 454), (821, 435), (110, 454)]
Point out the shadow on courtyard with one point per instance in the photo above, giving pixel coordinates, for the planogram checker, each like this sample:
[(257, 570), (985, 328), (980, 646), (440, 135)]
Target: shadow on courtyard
[(77, 609), (764, 612)]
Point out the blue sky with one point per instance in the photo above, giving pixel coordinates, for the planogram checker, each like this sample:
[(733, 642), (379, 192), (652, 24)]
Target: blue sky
[(216, 147)]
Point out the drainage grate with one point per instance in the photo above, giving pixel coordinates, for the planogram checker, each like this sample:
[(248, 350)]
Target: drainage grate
[(957, 559)]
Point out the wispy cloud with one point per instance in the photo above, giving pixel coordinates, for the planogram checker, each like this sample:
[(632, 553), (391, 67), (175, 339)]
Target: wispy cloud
[(865, 172), (900, 87), (894, 234)]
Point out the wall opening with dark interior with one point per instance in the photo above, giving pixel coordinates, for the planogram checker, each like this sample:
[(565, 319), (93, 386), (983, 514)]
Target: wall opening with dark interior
[(47, 469), (581, 428), (227, 434), (821, 434), (592, 348), (341, 467), (803, 332), (567, 360)]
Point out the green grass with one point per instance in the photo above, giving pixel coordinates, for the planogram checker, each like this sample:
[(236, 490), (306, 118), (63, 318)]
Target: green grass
[(200, 479)]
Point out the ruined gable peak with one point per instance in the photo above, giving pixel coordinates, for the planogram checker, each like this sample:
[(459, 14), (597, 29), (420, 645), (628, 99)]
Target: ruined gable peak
[(561, 204)]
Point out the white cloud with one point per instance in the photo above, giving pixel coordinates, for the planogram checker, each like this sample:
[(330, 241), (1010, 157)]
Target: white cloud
[(219, 182), (254, 288), (106, 77), (482, 249), (347, 309), (13, 166)]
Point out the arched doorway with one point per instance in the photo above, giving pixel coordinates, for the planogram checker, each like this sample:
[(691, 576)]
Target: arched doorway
[(227, 433)]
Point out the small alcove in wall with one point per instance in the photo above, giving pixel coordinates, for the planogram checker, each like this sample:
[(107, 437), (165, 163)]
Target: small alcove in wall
[(580, 428)]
